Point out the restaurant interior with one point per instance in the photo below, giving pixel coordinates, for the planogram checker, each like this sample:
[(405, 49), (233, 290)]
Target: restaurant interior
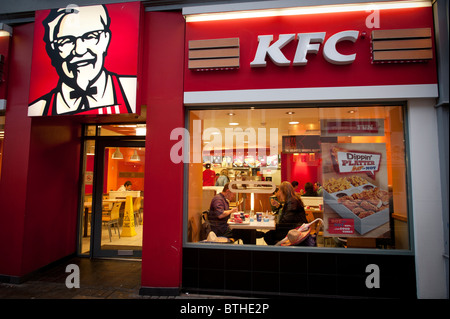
[(294, 154), (121, 221), (268, 146)]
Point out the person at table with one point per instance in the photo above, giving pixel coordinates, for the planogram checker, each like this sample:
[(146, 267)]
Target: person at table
[(275, 203), (219, 213), (309, 190), (318, 188), (292, 214), (295, 185), (223, 178), (209, 176), (125, 187)]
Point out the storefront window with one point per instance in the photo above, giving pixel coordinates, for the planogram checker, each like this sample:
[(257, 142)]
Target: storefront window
[(349, 163)]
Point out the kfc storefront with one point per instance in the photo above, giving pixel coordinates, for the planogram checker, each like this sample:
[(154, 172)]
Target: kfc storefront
[(332, 95), (341, 96)]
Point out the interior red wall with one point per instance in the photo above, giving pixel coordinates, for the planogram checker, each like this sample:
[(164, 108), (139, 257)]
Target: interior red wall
[(301, 168), (162, 92), (131, 167), (39, 185)]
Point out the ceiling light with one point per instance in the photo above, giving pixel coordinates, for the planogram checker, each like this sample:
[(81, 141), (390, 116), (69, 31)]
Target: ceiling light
[(233, 123), (117, 154), (5, 30), (290, 113), (135, 157), (230, 114), (293, 122)]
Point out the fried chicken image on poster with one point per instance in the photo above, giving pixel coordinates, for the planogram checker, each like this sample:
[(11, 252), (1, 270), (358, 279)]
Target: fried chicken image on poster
[(85, 60)]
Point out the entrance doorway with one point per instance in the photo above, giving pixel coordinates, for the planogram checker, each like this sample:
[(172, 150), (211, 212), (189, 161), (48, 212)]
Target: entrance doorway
[(113, 191)]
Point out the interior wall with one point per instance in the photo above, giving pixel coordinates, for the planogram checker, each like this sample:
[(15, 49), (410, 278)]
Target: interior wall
[(301, 168)]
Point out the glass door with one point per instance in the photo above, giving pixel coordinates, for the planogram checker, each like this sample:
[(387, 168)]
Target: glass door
[(117, 204)]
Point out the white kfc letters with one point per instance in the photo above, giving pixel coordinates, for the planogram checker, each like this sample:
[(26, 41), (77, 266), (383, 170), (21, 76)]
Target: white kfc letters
[(307, 43)]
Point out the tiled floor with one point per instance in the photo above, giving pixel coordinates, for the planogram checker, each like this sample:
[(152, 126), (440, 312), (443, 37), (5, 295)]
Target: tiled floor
[(115, 240)]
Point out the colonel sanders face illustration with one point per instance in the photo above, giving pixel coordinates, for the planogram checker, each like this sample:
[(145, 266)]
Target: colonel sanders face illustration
[(77, 43)]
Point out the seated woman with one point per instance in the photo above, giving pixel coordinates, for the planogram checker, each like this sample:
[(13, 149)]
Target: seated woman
[(292, 214)]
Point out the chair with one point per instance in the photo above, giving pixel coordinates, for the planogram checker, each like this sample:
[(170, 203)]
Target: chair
[(111, 218), (137, 210)]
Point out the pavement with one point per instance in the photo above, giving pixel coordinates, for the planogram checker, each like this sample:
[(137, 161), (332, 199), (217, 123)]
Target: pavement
[(111, 286), (99, 279)]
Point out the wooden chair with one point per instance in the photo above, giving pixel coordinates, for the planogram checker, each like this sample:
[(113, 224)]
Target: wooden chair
[(111, 218)]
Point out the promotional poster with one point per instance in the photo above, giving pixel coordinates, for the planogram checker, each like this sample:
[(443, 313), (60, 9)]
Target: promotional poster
[(356, 193)]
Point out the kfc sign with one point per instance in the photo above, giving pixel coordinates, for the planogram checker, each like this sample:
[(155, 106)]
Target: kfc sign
[(85, 60), (308, 43), (310, 51)]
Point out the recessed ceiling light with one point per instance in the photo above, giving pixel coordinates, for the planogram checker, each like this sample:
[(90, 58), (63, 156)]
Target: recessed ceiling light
[(290, 113), (293, 122), (233, 123), (230, 113)]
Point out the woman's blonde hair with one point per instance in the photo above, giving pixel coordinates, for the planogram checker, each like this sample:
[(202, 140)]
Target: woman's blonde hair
[(288, 192)]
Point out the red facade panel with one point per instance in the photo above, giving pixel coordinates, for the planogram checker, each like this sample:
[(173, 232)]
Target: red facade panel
[(162, 92)]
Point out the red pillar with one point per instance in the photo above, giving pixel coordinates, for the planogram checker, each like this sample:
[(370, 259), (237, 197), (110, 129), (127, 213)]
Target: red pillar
[(39, 183), (161, 90), (13, 182)]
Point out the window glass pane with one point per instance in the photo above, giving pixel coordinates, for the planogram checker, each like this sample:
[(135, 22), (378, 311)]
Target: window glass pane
[(123, 177), (90, 130), (87, 189), (122, 130), (354, 156)]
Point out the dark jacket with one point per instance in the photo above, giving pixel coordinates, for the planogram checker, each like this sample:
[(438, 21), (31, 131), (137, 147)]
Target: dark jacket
[(293, 214)]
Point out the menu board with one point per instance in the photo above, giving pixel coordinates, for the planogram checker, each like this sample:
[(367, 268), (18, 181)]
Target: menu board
[(356, 197)]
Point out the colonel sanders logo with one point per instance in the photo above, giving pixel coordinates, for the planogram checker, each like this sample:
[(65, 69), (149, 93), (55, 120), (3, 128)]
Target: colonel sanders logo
[(77, 42)]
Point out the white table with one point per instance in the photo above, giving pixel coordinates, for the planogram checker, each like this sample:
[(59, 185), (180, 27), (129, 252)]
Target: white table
[(270, 225), (252, 227)]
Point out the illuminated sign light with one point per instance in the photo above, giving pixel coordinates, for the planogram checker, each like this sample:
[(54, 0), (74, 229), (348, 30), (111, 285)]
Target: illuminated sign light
[(261, 13)]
